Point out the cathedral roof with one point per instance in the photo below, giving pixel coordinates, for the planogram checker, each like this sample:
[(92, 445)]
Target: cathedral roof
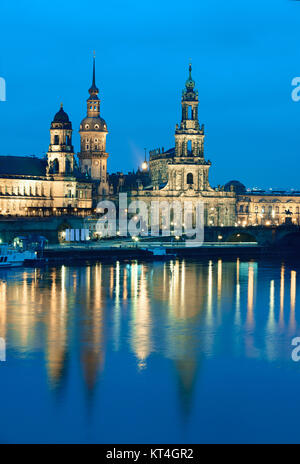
[(22, 166)]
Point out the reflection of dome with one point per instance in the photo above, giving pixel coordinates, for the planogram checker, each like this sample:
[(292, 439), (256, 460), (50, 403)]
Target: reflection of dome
[(93, 124), (61, 119), (236, 186)]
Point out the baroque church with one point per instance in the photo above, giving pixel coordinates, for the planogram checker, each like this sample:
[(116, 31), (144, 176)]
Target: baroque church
[(182, 173), (63, 184)]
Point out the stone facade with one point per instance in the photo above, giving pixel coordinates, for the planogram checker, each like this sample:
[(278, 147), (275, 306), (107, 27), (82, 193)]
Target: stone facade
[(31, 186), (268, 209)]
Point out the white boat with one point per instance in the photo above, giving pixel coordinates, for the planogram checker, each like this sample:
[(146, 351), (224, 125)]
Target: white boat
[(13, 257)]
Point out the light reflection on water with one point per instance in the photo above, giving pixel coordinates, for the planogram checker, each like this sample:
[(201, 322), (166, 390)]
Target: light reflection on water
[(88, 325)]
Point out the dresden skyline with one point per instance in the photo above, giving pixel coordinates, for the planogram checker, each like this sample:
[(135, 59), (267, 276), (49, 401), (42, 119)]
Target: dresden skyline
[(242, 74)]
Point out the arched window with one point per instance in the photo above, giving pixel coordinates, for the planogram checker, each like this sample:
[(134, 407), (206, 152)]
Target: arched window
[(55, 166), (56, 140), (189, 178), (68, 166), (189, 148)]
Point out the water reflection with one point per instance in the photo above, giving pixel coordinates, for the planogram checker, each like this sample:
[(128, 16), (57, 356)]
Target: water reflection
[(293, 300), (182, 310)]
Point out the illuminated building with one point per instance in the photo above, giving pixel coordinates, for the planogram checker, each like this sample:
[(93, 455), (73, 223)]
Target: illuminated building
[(181, 173), (59, 184)]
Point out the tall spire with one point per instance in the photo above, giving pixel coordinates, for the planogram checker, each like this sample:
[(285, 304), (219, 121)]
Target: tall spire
[(93, 90)]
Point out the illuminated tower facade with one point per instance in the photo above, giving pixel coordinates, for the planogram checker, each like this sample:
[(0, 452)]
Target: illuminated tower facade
[(93, 132), (184, 167), (61, 153), (189, 137)]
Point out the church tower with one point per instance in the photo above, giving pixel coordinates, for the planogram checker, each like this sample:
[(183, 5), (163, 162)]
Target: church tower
[(61, 153), (189, 137), (184, 167), (93, 132)]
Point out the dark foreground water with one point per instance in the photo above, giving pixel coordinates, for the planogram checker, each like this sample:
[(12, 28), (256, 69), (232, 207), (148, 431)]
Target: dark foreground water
[(182, 351)]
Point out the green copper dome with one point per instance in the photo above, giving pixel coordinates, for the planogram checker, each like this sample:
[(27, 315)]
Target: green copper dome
[(190, 83)]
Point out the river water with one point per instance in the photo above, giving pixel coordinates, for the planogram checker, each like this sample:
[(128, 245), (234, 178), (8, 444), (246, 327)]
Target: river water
[(182, 351)]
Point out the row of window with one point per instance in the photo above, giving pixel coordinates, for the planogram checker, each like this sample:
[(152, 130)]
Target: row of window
[(92, 144), (268, 209), (21, 190), (96, 126)]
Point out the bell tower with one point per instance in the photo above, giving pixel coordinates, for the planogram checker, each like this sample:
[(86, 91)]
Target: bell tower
[(189, 136), (186, 170), (61, 153), (93, 132)]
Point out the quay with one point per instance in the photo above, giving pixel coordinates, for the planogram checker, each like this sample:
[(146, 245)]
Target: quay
[(126, 250)]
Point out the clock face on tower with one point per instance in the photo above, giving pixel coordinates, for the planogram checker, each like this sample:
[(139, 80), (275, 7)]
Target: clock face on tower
[(96, 163)]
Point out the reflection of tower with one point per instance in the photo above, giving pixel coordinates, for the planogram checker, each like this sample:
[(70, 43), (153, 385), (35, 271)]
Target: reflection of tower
[(57, 330), (186, 301), (186, 369), (93, 132), (281, 321), (271, 318), (92, 356), (61, 154), (219, 283), (293, 300), (238, 294), (141, 318), (250, 296)]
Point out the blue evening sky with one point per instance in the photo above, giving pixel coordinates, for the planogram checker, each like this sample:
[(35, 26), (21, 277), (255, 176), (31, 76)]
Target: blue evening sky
[(244, 56)]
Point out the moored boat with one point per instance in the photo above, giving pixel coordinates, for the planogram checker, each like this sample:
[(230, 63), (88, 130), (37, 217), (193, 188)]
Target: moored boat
[(24, 251), (13, 257)]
